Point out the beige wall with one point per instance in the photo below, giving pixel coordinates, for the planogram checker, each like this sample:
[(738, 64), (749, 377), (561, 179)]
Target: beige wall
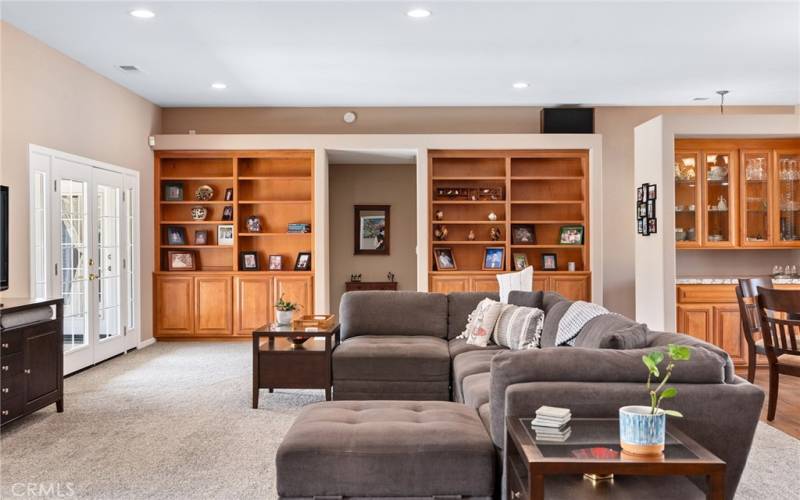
[(51, 100), (393, 185)]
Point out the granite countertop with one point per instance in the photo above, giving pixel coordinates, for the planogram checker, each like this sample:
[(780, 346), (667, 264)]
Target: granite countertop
[(708, 280)]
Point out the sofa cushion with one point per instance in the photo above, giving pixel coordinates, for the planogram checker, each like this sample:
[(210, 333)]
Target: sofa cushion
[(380, 449), (395, 390), (392, 358), (549, 299), (459, 346), (662, 339), (470, 363), (475, 389), (393, 313), (459, 305), (612, 331), (526, 299), (552, 317), (485, 412)]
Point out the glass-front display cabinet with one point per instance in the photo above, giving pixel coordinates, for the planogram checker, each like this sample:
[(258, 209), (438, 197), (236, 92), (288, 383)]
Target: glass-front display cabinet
[(788, 197), (756, 198), (719, 198), (687, 199)]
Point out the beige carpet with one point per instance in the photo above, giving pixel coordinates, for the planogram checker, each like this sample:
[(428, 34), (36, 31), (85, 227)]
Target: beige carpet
[(173, 421)]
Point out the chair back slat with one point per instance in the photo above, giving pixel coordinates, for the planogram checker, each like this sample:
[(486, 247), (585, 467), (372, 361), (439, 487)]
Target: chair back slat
[(777, 310), (746, 293)]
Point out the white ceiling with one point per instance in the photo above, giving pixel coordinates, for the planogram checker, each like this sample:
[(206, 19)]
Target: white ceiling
[(467, 53)]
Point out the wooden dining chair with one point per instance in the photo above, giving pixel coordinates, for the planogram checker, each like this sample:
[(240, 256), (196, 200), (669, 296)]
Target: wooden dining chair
[(746, 292), (781, 336)]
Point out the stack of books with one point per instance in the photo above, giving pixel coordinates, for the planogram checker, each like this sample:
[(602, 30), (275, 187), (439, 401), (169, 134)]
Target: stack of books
[(299, 227), (551, 424)]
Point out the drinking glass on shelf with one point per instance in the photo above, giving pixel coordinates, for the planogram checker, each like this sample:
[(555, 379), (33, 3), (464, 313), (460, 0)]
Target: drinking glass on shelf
[(777, 270)]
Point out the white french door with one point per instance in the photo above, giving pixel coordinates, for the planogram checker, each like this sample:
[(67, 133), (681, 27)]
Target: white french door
[(92, 227)]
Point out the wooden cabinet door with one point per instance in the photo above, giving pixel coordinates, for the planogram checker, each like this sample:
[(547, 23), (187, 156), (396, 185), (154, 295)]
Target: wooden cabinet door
[(295, 289), (540, 283), (484, 284), (253, 304), (728, 332), (696, 320), (447, 284), (42, 349), (174, 307), (571, 287), (213, 303)]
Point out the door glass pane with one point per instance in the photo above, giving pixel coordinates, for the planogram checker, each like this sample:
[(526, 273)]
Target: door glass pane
[(131, 290), (718, 196), (788, 190), (108, 268), (756, 196), (686, 197), (74, 262)]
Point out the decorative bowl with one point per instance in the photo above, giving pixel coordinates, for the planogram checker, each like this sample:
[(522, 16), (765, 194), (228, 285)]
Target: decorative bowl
[(199, 213), (204, 193)]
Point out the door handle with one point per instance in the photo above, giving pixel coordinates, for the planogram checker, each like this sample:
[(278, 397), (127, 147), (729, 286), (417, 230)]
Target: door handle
[(5, 413), (5, 390), (4, 368), (92, 276), (91, 261), (5, 346), (27, 371)]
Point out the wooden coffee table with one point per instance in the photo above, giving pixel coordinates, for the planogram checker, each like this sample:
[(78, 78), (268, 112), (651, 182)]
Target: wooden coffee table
[(543, 469), (292, 357)]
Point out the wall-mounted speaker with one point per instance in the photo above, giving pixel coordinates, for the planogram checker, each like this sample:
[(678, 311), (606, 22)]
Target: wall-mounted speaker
[(567, 121)]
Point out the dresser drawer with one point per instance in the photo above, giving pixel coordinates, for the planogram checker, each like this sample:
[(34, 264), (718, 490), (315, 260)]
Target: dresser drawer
[(11, 386), (11, 364), (11, 341), (706, 294), (11, 408)]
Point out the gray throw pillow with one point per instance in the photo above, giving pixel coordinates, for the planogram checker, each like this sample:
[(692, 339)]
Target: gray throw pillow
[(612, 331), (525, 299), (552, 317)]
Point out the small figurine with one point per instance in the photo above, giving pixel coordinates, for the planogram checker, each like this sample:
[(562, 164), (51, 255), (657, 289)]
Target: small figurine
[(471, 235), (440, 233), (390, 276), (439, 215), (355, 278), (494, 233), (492, 216)]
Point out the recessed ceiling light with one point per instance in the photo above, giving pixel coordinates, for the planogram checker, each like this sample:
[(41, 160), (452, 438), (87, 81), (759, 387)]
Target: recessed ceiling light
[(700, 98), (218, 86), (520, 85), (143, 13), (418, 13)]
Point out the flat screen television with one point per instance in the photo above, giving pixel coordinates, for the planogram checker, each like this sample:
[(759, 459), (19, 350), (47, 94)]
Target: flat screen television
[(3, 237)]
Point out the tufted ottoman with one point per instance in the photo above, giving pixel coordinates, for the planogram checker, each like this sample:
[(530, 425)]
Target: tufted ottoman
[(383, 449)]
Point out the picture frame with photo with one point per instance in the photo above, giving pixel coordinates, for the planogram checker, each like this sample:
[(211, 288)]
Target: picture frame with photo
[(523, 234), (640, 222), (173, 191), (652, 191), (227, 212), (645, 229), (201, 237), (181, 260), (444, 259), (571, 235), (520, 261), (228, 194), (494, 258), (248, 261), (549, 261), (225, 235), (275, 263), (641, 210), (652, 226), (303, 262), (176, 235), (371, 229), (640, 194), (651, 209)]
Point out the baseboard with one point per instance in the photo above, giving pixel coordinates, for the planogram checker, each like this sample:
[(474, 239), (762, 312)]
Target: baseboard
[(146, 343)]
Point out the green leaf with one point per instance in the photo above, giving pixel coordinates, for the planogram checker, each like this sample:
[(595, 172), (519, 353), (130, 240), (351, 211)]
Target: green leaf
[(652, 360), (669, 392), (679, 352), (673, 413)]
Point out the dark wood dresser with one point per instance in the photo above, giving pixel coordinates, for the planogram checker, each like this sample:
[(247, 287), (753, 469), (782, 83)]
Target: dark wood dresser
[(356, 286), (31, 361)]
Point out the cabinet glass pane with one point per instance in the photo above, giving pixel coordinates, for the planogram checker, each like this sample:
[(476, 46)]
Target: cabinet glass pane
[(756, 197), (718, 197), (686, 197), (788, 193)]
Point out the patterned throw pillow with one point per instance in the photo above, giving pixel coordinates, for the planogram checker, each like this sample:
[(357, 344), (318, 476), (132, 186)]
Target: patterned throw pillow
[(481, 321), (519, 328)]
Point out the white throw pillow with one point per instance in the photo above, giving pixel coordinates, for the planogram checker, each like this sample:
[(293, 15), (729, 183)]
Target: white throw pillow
[(486, 316), (522, 281), (474, 318)]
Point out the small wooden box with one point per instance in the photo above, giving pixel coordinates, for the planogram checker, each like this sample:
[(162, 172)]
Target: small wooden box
[(315, 320)]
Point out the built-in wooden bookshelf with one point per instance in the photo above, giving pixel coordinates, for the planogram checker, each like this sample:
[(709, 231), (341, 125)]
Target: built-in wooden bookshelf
[(544, 190), (219, 297)]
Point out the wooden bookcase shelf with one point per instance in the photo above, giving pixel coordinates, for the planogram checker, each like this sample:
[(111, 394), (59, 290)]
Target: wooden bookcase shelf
[(219, 298), (543, 189)]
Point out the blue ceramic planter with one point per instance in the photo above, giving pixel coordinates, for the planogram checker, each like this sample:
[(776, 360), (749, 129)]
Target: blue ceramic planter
[(640, 432)]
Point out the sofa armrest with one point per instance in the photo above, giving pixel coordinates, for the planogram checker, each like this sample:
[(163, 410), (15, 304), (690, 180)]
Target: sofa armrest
[(721, 417)]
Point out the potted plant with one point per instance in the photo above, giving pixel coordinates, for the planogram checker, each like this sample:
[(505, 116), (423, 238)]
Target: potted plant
[(642, 428), (284, 311)]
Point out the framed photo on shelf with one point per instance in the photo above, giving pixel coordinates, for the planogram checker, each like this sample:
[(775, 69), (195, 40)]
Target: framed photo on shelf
[(494, 258), (549, 261), (444, 259), (652, 191), (228, 194), (303, 262), (227, 212), (275, 262), (176, 235), (652, 227), (201, 237), (225, 235), (571, 235), (523, 234), (248, 261), (520, 261), (173, 191), (181, 260)]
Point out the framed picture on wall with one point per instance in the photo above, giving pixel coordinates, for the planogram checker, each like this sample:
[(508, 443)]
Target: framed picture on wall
[(652, 227), (651, 209), (651, 191), (640, 194), (371, 230)]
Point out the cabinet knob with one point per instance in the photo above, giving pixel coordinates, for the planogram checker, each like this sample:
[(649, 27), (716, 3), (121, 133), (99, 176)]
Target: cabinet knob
[(4, 368), (5, 390), (5, 412), (5, 346), (514, 494), (27, 371)]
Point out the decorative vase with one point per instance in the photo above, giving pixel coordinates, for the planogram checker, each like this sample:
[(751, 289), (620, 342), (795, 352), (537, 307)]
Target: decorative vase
[(641, 432), (204, 193), (492, 216), (284, 317), (199, 213)]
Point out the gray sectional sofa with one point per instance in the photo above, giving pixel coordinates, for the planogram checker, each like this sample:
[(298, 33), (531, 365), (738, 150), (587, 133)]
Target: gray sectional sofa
[(403, 346)]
